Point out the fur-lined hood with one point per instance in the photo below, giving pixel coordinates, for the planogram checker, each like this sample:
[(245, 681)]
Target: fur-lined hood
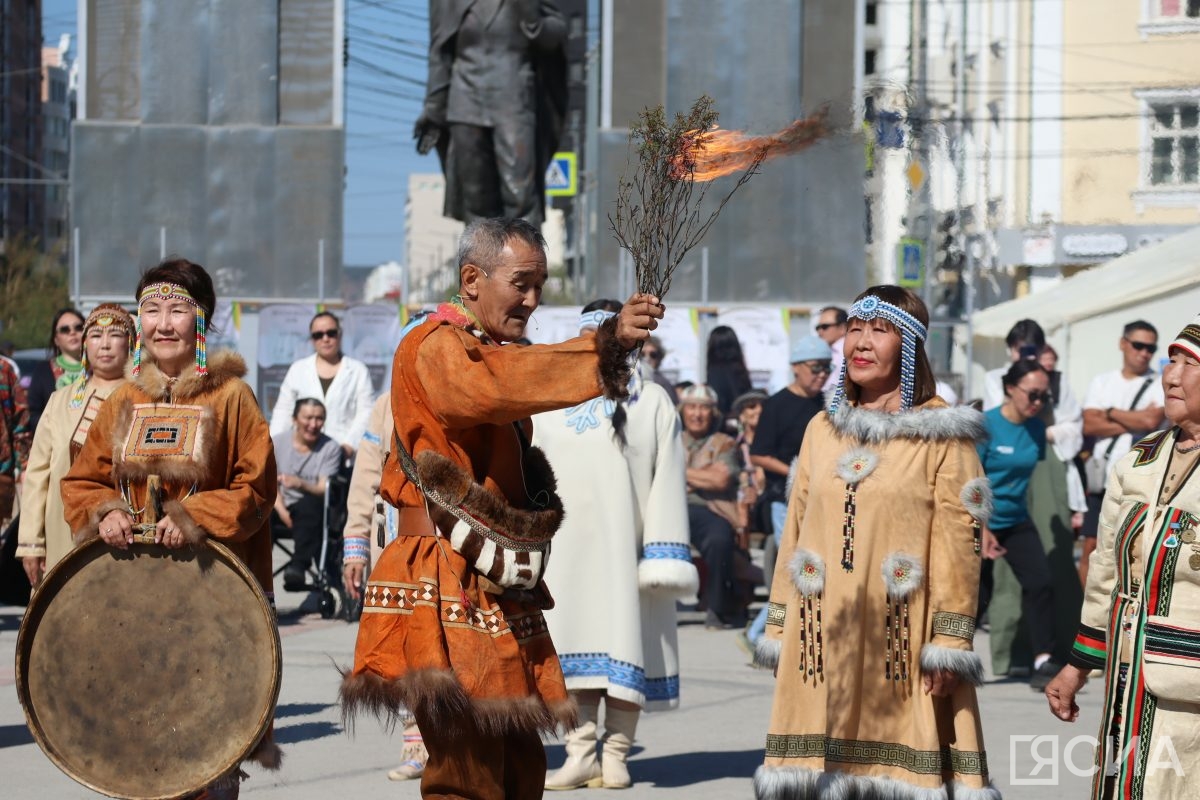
[(223, 366), (934, 421)]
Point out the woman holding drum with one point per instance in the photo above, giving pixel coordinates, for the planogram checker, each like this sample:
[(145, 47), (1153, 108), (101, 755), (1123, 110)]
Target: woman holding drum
[(192, 422)]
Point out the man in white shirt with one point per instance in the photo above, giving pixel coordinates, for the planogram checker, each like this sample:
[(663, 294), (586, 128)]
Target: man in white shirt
[(1120, 408), (831, 326)]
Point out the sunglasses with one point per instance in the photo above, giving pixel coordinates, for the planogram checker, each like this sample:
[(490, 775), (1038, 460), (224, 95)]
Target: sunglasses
[(652, 355), (826, 326), (818, 366), (1144, 347), (1037, 397), (65, 329), (317, 336)]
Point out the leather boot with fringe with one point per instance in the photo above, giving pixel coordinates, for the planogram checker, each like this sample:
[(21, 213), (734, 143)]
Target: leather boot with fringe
[(619, 729), (581, 767)]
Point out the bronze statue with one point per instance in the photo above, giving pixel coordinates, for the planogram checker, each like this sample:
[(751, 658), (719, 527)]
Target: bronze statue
[(495, 100)]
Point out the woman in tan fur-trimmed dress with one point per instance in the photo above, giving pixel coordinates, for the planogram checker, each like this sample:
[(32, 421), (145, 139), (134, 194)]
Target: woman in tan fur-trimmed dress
[(218, 469), (872, 609)]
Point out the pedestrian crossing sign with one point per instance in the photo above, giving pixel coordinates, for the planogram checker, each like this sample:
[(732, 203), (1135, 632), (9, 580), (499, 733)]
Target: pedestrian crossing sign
[(561, 176)]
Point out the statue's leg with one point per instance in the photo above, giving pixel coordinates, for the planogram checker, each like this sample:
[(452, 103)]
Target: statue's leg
[(472, 182), (515, 139)]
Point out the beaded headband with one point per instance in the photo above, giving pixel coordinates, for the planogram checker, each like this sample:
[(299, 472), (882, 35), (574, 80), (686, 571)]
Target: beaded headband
[(911, 331), (105, 315), (590, 320), (172, 291)]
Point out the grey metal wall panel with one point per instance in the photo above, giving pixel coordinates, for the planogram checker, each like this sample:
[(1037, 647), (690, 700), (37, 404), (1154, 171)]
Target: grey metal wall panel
[(639, 58), (244, 66), (796, 230), (250, 204), (306, 62), (111, 70), (308, 209), (173, 61), (240, 230)]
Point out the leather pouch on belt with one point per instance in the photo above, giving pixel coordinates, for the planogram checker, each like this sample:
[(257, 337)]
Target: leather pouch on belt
[(508, 546)]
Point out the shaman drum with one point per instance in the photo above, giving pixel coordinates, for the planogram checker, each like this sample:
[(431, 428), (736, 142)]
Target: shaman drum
[(148, 673)]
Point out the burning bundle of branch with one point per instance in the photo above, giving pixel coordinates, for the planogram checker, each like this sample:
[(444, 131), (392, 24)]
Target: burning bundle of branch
[(658, 218)]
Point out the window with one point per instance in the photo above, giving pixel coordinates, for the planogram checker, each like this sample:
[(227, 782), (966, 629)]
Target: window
[(869, 62), (1176, 9), (873, 13), (1175, 143)]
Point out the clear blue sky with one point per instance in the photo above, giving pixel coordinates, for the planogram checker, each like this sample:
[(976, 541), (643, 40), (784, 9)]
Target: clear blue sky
[(385, 82)]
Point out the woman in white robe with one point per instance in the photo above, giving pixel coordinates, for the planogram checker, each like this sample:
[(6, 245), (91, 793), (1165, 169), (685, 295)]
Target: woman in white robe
[(619, 562)]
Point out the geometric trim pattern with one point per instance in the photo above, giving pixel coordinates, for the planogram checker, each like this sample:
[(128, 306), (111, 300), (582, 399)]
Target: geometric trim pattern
[(890, 754), (666, 550), (776, 613), (390, 597), (619, 673), (960, 626), (1148, 448)]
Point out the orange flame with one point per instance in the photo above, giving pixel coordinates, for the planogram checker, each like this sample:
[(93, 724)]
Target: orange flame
[(717, 153)]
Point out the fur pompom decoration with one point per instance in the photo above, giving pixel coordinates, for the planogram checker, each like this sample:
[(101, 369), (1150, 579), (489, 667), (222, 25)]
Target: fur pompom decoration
[(977, 498), (856, 464), (902, 574), (808, 572)]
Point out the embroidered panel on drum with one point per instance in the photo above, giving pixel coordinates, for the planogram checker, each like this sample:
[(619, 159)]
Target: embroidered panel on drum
[(164, 432), (850, 751), (959, 626)]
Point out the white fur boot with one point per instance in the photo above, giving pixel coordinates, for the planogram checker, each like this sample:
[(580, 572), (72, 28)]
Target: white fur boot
[(581, 767), (619, 728)]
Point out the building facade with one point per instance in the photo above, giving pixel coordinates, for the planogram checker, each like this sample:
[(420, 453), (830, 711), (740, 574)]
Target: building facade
[(21, 173), (58, 110), (232, 156), (794, 235)]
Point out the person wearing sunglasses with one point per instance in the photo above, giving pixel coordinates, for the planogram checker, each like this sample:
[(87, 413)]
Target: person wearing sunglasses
[(64, 365), (831, 327), (1056, 508), (1016, 443), (342, 383), (1119, 408)]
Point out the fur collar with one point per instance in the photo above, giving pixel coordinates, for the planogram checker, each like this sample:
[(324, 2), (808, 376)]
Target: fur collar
[(933, 421), (223, 367)]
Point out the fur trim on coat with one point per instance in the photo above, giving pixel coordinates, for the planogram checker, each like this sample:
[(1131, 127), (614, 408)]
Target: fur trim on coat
[(615, 364), (808, 572), (766, 652), (266, 753), (456, 486), (92, 529), (934, 423), (223, 366), (963, 663), (799, 783), (193, 534), (669, 577), (437, 696), (977, 499)]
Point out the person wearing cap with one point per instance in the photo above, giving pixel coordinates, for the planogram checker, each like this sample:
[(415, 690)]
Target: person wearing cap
[(43, 536), (785, 417), (621, 561), (713, 518), (1140, 623), (872, 609)]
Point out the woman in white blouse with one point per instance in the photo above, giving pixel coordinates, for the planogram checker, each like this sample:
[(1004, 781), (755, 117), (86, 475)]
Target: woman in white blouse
[(342, 383)]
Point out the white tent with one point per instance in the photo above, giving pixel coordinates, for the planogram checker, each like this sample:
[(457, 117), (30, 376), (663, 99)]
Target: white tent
[(1084, 314)]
